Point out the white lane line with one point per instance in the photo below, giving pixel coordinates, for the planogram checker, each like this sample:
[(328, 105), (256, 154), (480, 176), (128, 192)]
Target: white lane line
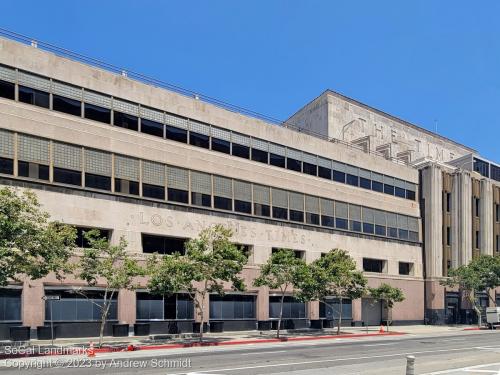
[(271, 351), (474, 369), (389, 343), (331, 360)]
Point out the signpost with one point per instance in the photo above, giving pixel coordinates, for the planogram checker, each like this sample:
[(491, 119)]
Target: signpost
[(50, 299)]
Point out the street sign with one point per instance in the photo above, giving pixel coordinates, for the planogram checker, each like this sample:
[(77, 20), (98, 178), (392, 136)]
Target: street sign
[(51, 298)]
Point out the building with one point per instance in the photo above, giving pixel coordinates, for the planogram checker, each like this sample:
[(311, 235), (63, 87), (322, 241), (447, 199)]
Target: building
[(102, 150)]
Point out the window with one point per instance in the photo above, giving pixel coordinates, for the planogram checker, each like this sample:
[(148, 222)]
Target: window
[(324, 172), (477, 206), (200, 199), (81, 240), (7, 90), (67, 176), (242, 206), (232, 307), (355, 226), (126, 186), (261, 210), (410, 194), (368, 228), (495, 172), (399, 192), (241, 151), (482, 167), (76, 307), (292, 308), (153, 307), (199, 140), (66, 105), (153, 191), (331, 309), (33, 170), (312, 218), (126, 121), (448, 236), (6, 166), (478, 240), (365, 183), (223, 203), (373, 265), (162, 244), (293, 164), (221, 145), (497, 242), (448, 202), (260, 156), (201, 189), (96, 113), (405, 268), (280, 213), (389, 189), (497, 212), (33, 96), (403, 234), (339, 176), (393, 232), (341, 223), (151, 127), (380, 230), (97, 182), (277, 160), (176, 195), (352, 180), (310, 168), (327, 221), (176, 134), (378, 186), (10, 305)]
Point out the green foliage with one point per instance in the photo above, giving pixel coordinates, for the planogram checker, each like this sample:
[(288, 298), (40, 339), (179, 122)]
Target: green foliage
[(387, 294), (211, 260), (31, 246)]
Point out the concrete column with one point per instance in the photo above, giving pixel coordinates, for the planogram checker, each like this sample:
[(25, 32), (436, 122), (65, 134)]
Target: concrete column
[(356, 310), (126, 306), (33, 306), (263, 304), (432, 189), (461, 212), (313, 309), (486, 217)]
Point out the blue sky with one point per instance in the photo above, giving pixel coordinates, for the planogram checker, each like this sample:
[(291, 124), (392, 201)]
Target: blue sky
[(423, 61)]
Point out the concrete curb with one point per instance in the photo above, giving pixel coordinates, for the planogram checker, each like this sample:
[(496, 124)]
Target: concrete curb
[(81, 351)]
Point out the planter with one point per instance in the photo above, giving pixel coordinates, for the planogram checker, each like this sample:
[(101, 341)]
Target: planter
[(316, 324), (264, 325), (328, 323), (141, 329), (19, 333), (45, 333), (120, 330), (217, 327), (196, 327)]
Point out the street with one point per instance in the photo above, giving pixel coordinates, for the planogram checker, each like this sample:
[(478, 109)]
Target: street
[(469, 353)]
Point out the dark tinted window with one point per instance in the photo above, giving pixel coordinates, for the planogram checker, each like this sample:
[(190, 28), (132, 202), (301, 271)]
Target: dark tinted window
[(292, 308), (368, 228), (126, 186), (241, 151), (352, 180), (81, 240), (6, 166), (242, 206), (327, 221), (400, 192), (93, 112), (389, 189), (176, 195), (261, 210), (232, 306), (293, 165), (365, 183), (221, 145), (66, 105), (380, 230), (97, 182), (373, 265), (33, 170), (355, 226), (341, 223), (277, 160), (35, 97), (151, 127), (223, 203), (325, 172), (297, 216), (67, 176), (259, 155), (403, 234), (162, 244), (10, 305), (377, 186), (126, 121), (199, 140), (280, 213), (310, 169), (176, 134), (7, 90), (410, 195), (339, 176), (312, 218), (199, 199), (404, 268), (393, 232), (153, 191)]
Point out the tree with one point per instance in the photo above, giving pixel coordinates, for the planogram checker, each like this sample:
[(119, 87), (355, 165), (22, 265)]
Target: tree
[(333, 275), (31, 246), (481, 274), (388, 295), (110, 265), (285, 272), (210, 260)]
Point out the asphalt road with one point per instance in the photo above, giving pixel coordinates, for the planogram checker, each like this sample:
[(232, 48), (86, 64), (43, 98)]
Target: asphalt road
[(384, 355)]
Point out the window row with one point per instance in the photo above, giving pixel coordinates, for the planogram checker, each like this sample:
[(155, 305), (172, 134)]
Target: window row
[(92, 168), (43, 92)]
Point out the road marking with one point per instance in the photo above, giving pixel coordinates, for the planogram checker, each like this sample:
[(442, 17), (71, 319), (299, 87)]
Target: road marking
[(473, 369), (389, 343), (271, 351), (330, 360)]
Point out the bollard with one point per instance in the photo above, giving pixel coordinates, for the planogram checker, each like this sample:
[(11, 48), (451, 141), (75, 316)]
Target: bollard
[(410, 365)]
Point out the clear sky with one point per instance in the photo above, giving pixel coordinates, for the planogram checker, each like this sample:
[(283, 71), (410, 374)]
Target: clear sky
[(423, 61)]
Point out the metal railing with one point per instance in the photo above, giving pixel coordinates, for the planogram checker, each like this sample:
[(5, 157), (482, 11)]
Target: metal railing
[(180, 90)]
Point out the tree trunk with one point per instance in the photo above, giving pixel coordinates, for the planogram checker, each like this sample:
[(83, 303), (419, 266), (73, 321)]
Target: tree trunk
[(472, 299), (340, 317), (281, 315)]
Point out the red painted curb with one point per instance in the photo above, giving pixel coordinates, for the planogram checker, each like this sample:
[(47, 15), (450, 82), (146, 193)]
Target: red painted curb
[(474, 328)]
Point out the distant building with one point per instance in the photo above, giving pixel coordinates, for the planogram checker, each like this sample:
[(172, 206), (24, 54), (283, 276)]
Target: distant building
[(102, 150)]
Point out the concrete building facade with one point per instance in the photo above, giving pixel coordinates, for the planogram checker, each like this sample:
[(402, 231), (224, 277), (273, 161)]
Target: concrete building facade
[(154, 166)]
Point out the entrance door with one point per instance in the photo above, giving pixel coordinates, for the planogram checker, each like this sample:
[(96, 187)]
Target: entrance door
[(371, 312), (452, 308)]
